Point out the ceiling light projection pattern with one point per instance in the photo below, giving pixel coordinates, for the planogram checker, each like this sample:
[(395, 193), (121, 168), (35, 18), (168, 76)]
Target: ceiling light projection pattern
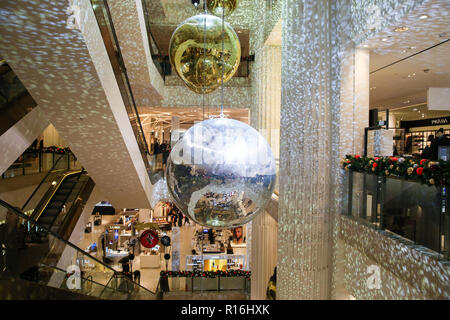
[(200, 69)]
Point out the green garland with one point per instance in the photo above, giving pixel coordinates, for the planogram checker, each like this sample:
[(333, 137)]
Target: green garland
[(425, 171), (206, 274)]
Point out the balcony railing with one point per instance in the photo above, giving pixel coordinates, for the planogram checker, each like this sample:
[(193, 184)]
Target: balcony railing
[(412, 210), (201, 281), (35, 161)]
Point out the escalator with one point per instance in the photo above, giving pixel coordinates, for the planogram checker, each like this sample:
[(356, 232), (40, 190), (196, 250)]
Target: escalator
[(49, 210), (59, 199), (54, 267)]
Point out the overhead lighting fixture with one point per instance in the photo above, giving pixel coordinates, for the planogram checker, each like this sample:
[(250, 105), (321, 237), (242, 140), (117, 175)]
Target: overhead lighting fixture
[(415, 109), (195, 2), (366, 46), (401, 29), (384, 39), (424, 16)]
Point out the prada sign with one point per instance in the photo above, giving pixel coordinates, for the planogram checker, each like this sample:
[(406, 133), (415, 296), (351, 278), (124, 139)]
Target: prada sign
[(425, 122)]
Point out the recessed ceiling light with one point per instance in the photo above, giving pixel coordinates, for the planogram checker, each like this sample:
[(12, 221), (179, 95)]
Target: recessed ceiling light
[(415, 109), (384, 39), (366, 46), (423, 17), (401, 29)]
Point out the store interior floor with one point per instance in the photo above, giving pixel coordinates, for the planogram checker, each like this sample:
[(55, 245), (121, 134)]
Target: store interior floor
[(149, 276)]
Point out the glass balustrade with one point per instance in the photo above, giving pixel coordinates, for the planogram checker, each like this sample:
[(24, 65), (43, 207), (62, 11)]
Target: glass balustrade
[(34, 253), (414, 211)]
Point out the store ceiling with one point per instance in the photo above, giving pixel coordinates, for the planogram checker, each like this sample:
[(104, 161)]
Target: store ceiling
[(166, 15), (418, 112), (162, 34), (395, 82), (155, 117)]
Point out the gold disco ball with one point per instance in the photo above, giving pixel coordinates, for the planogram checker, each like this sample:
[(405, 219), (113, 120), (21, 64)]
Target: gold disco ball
[(216, 7), (196, 54)]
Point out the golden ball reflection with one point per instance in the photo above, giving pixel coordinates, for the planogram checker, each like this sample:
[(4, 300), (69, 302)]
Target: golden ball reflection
[(216, 7), (196, 54)]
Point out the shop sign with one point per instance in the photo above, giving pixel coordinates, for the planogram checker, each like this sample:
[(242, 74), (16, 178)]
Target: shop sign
[(425, 122)]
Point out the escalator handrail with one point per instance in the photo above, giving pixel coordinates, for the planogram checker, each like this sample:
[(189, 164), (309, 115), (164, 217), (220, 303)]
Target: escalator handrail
[(64, 271), (70, 212), (42, 181), (127, 82), (27, 218), (37, 215), (80, 173)]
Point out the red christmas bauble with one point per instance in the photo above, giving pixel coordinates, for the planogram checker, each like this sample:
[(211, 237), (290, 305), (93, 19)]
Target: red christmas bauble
[(149, 238)]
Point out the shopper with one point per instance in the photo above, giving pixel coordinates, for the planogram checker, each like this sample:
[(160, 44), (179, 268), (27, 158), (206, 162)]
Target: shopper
[(440, 140), (175, 219), (426, 153), (180, 219), (12, 239), (271, 292)]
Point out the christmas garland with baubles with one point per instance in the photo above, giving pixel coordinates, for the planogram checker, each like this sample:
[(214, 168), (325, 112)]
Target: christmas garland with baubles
[(425, 171), (206, 274), (52, 149)]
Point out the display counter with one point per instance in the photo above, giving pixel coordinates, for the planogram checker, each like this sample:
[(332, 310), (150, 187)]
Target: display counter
[(150, 261), (215, 262), (239, 249), (116, 255), (216, 284)]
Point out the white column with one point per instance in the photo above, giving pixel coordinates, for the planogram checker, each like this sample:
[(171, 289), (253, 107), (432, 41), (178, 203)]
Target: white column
[(175, 130), (305, 151), (264, 253), (264, 228), (361, 96)]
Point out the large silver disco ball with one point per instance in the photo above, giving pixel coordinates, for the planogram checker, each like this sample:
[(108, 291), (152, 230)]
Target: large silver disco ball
[(221, 173)]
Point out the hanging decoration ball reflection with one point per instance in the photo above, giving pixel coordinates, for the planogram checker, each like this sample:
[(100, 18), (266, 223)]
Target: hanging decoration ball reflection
[(196, 53), (216, 7), (221, 173), (159, 192)]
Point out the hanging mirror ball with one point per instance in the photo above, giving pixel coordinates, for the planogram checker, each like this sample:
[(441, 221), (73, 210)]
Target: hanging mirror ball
[(216, 7), (200, 69), (221, 173)]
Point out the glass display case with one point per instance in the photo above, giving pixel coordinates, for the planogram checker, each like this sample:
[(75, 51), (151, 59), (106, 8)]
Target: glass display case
[(215, 262)]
